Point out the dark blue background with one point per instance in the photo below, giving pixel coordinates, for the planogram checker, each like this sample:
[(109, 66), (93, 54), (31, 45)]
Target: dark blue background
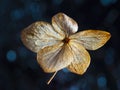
[(18, 67)]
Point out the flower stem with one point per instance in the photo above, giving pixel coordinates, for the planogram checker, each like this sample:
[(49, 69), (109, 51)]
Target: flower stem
[(51, 78)]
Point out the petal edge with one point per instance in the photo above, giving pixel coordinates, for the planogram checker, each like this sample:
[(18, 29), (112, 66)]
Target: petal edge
[(81, 59)]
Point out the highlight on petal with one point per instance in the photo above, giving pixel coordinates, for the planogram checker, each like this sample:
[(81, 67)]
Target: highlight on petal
[(61, 21), (81, 58), (39, 35), (54, 58), (91, 39)]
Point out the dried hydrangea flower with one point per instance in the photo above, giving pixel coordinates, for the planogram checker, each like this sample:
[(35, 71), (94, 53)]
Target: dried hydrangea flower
[(59, 46)]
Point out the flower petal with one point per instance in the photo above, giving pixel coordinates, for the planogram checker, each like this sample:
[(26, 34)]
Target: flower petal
[(62, 22), (54, 58), (81, 59), (91, 39), (39, 35)]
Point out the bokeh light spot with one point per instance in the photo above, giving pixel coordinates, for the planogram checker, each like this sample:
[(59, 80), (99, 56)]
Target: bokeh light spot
[(11, 56), (57, 2), (36, 10), (109, 58), (65, 70), (74, 87), (17, 14), (107, 2), (101, 81)]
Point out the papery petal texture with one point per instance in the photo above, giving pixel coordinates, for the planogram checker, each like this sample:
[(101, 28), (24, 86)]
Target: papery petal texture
[(91, 39), (63, 22), (54, 58), (39, 35), (81, 58)]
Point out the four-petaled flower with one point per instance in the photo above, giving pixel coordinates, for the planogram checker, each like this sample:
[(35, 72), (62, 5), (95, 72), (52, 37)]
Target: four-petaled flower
[(59, 46)]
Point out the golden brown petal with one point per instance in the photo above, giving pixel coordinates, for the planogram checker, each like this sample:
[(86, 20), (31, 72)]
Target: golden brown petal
[(54, 58), (81, 59), (91, 39), (39, 35), (61, 21)]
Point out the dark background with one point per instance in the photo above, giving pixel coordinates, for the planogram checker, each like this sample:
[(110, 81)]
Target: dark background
[(18, 67)]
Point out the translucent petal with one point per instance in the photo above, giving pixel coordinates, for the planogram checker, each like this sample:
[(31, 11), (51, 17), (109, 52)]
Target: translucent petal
[(62, 22), (81, 58), (91, 39), (39, 35), (54, 58)]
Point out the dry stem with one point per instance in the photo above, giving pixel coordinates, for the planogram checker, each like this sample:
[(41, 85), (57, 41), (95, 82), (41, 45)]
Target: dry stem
[(51, 78)]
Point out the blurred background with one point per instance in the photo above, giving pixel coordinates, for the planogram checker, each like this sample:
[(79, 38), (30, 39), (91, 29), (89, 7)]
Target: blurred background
[(19, 69)]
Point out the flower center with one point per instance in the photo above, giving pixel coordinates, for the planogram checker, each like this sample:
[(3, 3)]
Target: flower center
[(66, 40)]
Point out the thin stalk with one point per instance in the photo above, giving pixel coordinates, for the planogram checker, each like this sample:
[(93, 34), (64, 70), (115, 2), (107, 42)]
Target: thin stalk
[(51, 78)]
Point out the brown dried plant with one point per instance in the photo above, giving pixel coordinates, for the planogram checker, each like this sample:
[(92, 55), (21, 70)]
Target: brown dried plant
[(59, 46)]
